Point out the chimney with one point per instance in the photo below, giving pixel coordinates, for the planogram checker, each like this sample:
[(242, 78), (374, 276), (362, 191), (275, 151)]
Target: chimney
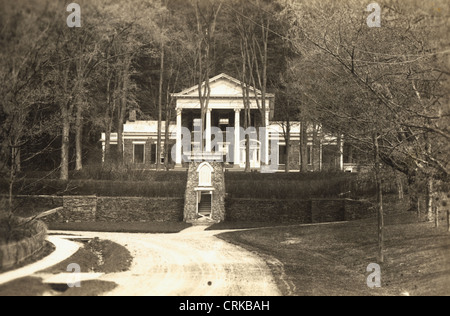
[(132, 116)]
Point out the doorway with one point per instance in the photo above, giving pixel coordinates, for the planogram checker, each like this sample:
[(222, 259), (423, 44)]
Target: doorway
[(204, 204)]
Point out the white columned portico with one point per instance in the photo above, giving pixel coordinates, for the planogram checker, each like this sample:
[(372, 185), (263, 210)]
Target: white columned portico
[(178, 145), (208, 131), (237, 136)]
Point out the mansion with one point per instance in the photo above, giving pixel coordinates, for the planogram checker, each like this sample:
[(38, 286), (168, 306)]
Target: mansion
[(224, 136)]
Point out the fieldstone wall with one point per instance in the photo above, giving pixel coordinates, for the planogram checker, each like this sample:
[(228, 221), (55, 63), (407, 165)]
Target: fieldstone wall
[(29, 205), (135, 209), (297, 211), (218, 198), (139, 209), (14, 253), (79, 208), (268, 210), (118, 209)]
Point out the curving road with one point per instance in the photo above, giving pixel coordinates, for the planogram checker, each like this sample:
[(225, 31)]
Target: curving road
[(193, 263)]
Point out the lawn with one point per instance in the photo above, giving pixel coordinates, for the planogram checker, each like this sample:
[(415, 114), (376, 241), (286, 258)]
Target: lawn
[(100, 256), (97, 256), (332, 259), (128, 227)]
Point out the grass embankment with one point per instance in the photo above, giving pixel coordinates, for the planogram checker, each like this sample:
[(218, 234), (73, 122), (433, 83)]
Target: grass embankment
[(332, 259), (100, 256)]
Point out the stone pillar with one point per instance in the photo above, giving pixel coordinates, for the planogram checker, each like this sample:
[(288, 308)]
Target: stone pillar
[(178, 145), (341, 154), (237, 136), (208, 131)]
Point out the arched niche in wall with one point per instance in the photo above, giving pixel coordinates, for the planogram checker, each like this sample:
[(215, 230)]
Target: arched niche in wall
[(205, 175)]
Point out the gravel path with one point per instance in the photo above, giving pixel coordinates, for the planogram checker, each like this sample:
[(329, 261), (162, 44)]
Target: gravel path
[(193, 263)]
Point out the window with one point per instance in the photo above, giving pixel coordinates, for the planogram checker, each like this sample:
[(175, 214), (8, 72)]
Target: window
[(153, 154), (138, 153), (282, 154), (348, 153), (309, 154)]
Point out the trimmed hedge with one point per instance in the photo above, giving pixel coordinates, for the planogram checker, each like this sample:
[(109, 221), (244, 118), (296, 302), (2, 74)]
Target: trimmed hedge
[(98, 187), (112, 173), (283, 186)]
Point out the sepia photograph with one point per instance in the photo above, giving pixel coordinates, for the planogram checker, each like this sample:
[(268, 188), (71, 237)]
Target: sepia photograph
[(224, 155)]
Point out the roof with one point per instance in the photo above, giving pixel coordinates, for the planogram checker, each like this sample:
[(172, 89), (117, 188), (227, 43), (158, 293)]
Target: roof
[(147, 127), (222, 86)]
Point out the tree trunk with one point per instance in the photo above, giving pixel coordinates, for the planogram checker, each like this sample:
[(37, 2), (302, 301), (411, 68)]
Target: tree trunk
[(379, 186), (429, 184), (288, 145), (166, 135), (16, 160), (64, 171), (108, 113), (12, 178), (107, 150), (303, 147), (413, 195), (314, 147), (79, 137), (401, 193), (429, 199), (122, 110), (338, 152), (161, 78)]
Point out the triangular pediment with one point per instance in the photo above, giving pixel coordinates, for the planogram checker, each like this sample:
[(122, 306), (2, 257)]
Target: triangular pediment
[(222, 85)]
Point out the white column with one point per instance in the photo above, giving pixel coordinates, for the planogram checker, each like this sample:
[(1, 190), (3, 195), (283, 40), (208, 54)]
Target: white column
[(208, 131), (341, 154), (320, 156), (237, 136), (266, 144), (178, 145)]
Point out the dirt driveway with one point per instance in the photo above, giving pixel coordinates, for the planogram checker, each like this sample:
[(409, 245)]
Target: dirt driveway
[(193, 262)]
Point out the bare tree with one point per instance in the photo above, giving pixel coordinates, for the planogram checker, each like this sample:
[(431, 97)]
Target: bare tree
[(206, 18)]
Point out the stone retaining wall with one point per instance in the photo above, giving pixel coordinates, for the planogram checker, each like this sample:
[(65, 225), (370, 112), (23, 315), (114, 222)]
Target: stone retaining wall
[(297, 211), (139, 209), (118, 209), (249, 210), (14, 253), (28, 205), (133, 209)]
